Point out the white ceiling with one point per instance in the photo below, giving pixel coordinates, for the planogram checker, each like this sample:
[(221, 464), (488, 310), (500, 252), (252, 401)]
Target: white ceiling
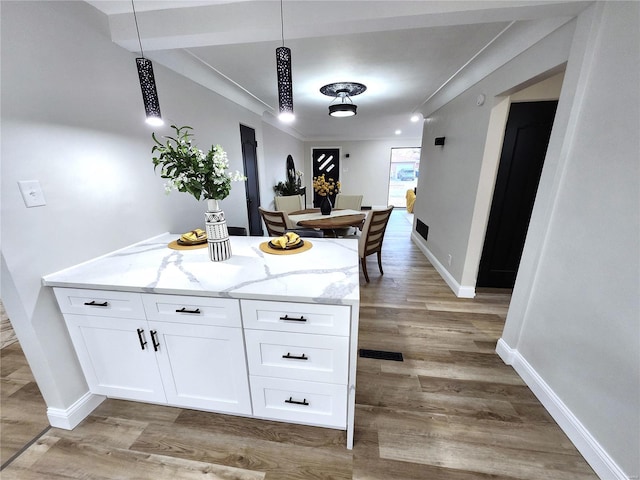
[(403, 51)]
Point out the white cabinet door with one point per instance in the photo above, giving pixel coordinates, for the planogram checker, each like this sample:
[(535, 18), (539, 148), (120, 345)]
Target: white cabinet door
[(202, 366), (114, 357)]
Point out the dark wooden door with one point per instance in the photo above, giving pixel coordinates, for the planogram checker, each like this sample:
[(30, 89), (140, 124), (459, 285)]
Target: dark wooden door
[(250, 161), (326, 161), (523, 151)]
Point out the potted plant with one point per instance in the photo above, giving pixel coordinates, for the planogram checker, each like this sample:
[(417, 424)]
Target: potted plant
[(325, 188), (204, 175)]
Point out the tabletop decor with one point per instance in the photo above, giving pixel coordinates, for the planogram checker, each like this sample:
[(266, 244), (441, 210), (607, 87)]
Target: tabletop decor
[(325, 188), (293, 184), (266, 248), (188, 169)]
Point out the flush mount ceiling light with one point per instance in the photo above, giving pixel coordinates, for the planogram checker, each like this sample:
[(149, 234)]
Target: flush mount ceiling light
[(147, 83), (343, 91), (285, 81)]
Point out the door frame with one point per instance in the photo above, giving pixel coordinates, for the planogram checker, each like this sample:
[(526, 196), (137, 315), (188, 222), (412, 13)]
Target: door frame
[(489, 170), (339, 149), (507, 164), (249, 205)]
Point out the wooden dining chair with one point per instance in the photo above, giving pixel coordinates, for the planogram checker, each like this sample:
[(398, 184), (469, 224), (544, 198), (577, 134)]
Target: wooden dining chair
[(276, 222), (237, 231), (288, 203), (370, 240), (350, 202), (307, 232)]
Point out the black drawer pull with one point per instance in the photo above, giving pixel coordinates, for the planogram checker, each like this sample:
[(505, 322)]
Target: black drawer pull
[(154, 340), (301, 319), (93, 303), (288, 355), (184, 310), (303, 402), (143, 342)]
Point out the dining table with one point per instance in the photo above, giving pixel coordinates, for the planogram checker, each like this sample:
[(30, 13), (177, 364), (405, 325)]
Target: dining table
[(336, 221)]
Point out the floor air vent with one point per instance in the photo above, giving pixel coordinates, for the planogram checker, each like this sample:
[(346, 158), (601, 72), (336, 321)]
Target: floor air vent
[(381, 355)]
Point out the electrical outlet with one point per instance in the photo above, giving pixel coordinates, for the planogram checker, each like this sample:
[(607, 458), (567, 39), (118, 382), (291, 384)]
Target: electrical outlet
[(449, 259), (31, 193)]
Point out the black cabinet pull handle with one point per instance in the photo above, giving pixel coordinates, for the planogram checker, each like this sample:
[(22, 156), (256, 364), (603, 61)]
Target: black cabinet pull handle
[(184, 310), (296, 402), (93, 303), (143, 342), (287, 317), (154, 339), (288, 355)]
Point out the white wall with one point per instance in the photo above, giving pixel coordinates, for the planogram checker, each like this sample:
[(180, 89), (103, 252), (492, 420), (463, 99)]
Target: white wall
[(575, 316), (276, 148), (72, 118), (573, 327), (450, 175), (366, 171)]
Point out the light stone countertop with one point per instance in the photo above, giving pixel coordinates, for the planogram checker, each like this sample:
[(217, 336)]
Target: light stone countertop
[(327, 273)]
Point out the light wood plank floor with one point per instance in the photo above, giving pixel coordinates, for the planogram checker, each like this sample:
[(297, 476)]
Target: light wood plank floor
[(451, 411)]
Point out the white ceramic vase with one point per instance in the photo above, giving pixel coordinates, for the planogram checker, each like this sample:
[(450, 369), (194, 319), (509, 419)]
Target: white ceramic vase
[(217, 234)]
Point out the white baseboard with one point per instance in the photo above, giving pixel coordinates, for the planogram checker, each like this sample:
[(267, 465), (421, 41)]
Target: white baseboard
[(505, 352), (460, 291), (68, 419), (596, 456)]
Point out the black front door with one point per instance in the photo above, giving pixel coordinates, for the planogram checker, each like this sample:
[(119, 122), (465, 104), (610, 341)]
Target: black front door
[(250, 161), (523, 151), (326, 161)]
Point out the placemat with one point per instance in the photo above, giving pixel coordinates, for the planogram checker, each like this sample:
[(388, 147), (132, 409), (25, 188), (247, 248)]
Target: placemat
[(264, 246), (176, 246)]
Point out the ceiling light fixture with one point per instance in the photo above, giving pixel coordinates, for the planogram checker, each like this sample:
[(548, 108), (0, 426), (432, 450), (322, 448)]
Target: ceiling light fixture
[(285, 81), (147, 83), (344, 91)]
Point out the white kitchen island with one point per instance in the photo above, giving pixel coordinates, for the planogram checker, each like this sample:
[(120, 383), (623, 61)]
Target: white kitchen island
[(259, 335)]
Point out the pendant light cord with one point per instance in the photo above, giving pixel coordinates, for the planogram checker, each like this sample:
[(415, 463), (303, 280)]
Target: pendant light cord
[(138, 30), (281, 22)]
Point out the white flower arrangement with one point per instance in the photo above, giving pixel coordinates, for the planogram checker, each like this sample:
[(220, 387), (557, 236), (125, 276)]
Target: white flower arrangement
[(188, 169)]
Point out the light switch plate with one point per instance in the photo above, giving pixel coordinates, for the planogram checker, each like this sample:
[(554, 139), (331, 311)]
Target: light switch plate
[(31, 193)]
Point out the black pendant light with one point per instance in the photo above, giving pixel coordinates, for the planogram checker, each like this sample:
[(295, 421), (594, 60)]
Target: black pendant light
[(285, 82), (147, 83), (343, 91)]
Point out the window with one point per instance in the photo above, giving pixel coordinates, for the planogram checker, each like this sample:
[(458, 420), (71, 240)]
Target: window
[(403, 174)]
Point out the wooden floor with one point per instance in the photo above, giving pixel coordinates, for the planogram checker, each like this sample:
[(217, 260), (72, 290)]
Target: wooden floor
[(451, 411)]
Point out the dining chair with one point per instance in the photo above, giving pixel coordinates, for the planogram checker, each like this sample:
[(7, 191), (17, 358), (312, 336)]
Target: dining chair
[(347, 202), (237, 231), (289, 203), (307, 232), (351, 202), (276, 222), (370, 241)]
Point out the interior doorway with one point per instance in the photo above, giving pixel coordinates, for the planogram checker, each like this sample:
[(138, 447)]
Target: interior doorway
[(325, 161), (250, 162), (524, 148), (404, 170)]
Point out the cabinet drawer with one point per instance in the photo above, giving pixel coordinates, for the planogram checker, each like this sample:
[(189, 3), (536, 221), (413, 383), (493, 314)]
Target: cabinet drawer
[(318, 358), (296, 317), (102, 303), (310, 403), (224, 312)]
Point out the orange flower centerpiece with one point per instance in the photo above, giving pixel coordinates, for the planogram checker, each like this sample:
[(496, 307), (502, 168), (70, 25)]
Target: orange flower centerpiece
[(325, 188)]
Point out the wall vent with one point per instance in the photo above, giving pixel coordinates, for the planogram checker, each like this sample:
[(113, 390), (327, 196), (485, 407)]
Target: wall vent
[(422, 229)]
